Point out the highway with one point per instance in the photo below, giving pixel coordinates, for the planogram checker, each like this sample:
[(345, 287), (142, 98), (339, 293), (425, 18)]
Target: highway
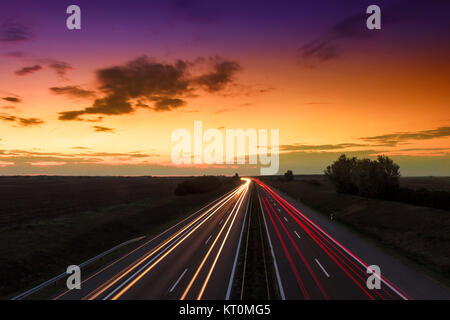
[(309, 263), (197, 258), (194, 259)]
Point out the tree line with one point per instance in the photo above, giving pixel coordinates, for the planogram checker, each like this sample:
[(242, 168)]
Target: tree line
[(380, 179)]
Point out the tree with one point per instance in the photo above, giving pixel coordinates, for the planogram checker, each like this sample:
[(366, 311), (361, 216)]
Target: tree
[(289, 176), (369, 178), (340, 173)]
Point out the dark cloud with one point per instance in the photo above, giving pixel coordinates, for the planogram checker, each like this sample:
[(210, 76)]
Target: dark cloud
[(60, 67), (27, 122), (167, 104), (28, 70), (425, 149), (146, 83), (221, 75), (323, 147), (12, 31), (102, 129), (328, 46), (73, 91), (394, 138), (12, 99), (6, 117), (66, 156), (15, 54), (24, 122), (319, 51), (10, 108)]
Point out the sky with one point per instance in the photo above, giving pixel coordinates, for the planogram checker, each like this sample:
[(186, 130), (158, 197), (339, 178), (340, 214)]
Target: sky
[(104, 100)]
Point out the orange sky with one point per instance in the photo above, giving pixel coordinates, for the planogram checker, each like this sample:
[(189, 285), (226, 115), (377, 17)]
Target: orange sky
[(370, 91)]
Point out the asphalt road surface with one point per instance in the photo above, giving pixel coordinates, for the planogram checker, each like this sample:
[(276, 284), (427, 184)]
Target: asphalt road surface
[(310, 264), (194, 259)]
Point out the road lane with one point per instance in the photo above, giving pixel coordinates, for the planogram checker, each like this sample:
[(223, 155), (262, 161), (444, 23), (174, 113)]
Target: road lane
[(152, 270), (314, 266)]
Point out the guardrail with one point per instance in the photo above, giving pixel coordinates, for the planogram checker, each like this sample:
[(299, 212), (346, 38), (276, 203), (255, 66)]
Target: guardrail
[(62, 275)]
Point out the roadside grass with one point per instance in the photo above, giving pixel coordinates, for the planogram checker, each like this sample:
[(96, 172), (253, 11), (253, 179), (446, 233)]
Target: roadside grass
[(430, 183), (59, 286), (415, 234), (36, 248)]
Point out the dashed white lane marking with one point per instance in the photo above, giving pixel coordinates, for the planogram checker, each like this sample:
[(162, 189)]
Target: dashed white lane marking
[(297, 234), (220, 221), (323, 269), (179, 279), (206, 242), (285, 219)]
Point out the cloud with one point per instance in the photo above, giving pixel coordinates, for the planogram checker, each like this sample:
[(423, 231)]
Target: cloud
[(224, 110), (222, 74), (27, 122), (5, 117), (28, 70), (102, 129), (10, 108), (73, 91), (24, 122), (47, 163), (44, 156), (393, 139), (319, 51), (12, 99), (146, 83), (308, 147), (167, 104), (12, 31), (327, 46), (60, 67), (15, 54), (24, 160), (4, 164)]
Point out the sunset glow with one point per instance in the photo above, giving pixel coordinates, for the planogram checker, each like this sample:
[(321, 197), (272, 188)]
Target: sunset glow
[(105, 99)]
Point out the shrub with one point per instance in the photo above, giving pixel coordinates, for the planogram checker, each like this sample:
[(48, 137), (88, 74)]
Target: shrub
[(198, 185), (289, 176)]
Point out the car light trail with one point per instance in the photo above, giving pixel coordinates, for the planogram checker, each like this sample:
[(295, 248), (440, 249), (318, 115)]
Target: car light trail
[(221, 247), (325, 295), (294, 269), (105, 286), (146, 243), (327, 237), (238, 204), (143, 272)]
